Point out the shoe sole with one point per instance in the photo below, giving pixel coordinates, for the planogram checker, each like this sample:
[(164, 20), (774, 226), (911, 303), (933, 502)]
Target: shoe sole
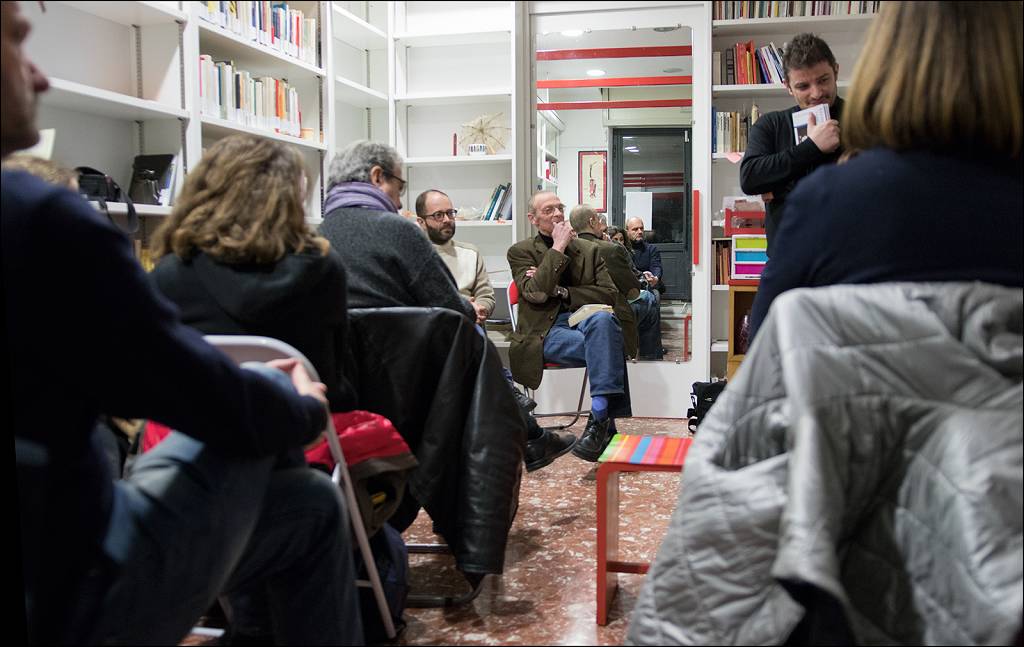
[(547, 460)]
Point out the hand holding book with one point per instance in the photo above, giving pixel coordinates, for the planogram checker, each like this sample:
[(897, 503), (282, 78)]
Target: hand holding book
[(824, 135)]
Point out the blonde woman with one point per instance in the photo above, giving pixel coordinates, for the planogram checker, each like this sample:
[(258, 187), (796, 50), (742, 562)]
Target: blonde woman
[(935, 192)]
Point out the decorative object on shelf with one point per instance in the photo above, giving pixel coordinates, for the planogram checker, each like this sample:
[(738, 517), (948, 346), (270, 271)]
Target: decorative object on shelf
[(486, 130), (477, 149), (593, 174)]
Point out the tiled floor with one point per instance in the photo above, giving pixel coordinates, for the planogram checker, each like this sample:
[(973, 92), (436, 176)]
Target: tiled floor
[(546, 595)]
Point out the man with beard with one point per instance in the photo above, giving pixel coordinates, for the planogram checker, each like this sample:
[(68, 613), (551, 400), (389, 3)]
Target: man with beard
[(435, 211)]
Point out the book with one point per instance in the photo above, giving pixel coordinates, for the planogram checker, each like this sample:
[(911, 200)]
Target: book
[(587, 310), (820, 113)]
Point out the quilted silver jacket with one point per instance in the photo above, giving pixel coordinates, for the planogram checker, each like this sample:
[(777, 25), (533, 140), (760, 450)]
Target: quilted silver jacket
[(867, 453)]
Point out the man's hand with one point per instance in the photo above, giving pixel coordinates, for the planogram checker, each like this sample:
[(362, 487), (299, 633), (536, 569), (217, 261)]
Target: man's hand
[(651, 279), (825, 136), (530, 272), (300, 378), (562, 234), (481, 311)]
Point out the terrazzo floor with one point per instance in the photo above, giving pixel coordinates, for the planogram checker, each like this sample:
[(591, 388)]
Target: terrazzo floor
[(547, 594)]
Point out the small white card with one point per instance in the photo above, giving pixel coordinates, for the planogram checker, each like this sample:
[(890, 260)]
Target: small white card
[(820, 113)]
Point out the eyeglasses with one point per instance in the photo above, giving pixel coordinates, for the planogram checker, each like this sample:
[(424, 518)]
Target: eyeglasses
[(551, 209), (401, 187), (439, 216)]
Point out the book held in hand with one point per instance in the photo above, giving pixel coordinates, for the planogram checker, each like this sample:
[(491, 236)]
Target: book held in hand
[(821, 115), (587, 310)]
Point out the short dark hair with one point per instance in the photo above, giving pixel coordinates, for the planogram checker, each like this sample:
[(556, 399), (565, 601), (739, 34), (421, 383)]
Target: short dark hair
[(806, 50), (421, 201)]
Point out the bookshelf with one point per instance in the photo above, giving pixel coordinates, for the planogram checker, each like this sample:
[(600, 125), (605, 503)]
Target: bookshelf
[(844, 34)]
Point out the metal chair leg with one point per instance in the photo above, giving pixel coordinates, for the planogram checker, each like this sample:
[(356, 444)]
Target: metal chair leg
[(579, 407), (426, 601)]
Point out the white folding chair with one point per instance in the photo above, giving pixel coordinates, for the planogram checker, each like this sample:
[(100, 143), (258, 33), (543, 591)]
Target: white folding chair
[(251, 348)]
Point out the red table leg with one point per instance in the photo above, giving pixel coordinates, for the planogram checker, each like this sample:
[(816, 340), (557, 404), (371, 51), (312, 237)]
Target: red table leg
[(607, 537)]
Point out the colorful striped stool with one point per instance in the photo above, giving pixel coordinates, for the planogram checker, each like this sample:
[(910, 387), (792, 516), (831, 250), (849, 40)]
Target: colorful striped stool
[(625, 453)]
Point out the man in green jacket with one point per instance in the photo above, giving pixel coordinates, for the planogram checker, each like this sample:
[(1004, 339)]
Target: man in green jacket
[(556, 273)]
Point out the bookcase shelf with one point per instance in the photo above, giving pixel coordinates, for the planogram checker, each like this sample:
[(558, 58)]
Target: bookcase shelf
[(131, 13), (121, 209), (757, 90), (483, 223), (459, 160), (439, 39), (355, 94), (222, 128), (442, 98), (97, 101), (790, 25), (353, 30), (251, 54)]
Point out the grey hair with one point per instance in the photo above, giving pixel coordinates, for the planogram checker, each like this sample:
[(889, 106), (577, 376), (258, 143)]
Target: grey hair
[(532, 205), (355, 162), (580, 217)]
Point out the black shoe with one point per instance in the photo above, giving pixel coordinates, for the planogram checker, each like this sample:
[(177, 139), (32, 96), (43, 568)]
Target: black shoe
[(544, 450), (595, 438), (525, 402)]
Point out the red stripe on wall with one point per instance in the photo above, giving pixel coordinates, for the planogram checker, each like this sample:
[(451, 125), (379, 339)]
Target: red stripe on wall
[(613, 52), (618, 82), (604, 105)]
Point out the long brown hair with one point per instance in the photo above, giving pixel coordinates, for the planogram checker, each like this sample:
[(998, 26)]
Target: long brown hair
[(243, 203), (943, 76)]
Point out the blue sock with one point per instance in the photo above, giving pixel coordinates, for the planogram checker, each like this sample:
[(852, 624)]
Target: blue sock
[(599, 407)]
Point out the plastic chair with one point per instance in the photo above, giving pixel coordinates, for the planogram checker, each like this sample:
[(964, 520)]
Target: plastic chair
[(251, 348), (513, 309)]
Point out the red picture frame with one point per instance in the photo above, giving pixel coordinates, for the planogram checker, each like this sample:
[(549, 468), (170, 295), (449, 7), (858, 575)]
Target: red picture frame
[(592, 170)]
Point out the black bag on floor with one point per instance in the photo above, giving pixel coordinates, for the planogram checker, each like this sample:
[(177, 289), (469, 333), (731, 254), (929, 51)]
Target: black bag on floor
[(703, 396), (392, 559)]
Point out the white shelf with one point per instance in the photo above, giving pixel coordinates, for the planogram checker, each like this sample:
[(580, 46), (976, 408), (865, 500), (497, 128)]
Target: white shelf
[(483, 223), (718, 223), (720, 288), (720, 346), (249, 53), (789, 25), (97, 101), (454, 98), (121, 209), (131, 13), (723, 156), (222, 128), (450, 38), (548, 157), (353, 30), (755, 90), (355, 94), (458, 160)]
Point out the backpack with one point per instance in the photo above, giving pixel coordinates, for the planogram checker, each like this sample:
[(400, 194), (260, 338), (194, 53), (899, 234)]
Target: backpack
[(392, 559), (703, 396)]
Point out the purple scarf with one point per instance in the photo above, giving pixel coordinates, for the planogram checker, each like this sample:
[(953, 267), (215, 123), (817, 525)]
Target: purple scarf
[(358, 194)]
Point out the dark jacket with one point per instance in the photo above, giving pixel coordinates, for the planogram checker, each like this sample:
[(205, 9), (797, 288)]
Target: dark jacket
[(772, 162), (86, 332), (389, 262), (300, 300), (620, 268), (888, 216), (430, 372), (647, 258), (588, 282)]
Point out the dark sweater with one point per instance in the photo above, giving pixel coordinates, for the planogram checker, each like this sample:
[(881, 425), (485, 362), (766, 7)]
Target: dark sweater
[(300, 300), (85, 332), (390, 262), (647, 258), (773, 163), (887, 216)]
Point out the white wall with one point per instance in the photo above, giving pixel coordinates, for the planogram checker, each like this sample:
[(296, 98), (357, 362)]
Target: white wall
[(583, 132)]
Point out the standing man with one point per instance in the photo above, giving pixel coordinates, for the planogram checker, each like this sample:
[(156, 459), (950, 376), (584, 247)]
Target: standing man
[(556, 273), (435, 211), (773, 162)]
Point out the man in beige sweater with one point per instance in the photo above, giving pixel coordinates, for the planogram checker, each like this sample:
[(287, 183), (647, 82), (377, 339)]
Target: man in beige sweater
[(435, 211)]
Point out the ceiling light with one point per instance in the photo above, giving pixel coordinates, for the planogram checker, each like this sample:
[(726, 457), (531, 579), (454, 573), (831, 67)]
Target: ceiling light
[(672, 70), (572, 33), (595, 72)]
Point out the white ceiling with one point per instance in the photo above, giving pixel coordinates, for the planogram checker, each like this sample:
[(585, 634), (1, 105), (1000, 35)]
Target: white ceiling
[(615, 67)]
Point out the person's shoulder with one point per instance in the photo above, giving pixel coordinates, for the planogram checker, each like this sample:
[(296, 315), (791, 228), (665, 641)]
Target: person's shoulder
[(470, 247), (29, 202)]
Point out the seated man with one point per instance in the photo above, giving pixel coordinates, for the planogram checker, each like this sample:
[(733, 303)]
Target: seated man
[(643, 316), (556, 273), (647, 260), (138, 561)]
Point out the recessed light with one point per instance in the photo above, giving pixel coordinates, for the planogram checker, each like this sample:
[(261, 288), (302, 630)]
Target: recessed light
[(572, 33), (672, 70), (595, 72)]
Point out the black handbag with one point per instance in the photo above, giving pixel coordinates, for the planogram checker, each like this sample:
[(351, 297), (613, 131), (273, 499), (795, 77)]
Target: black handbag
[(100, 187)]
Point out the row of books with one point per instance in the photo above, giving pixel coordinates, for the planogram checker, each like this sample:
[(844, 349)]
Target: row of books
[(729, 130), (723, 261), (500, 207), (235, 95), (733, 9), (744, 63), (272, 24)]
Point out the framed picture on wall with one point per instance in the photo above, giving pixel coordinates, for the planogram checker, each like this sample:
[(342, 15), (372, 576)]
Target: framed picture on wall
[(593, 172)]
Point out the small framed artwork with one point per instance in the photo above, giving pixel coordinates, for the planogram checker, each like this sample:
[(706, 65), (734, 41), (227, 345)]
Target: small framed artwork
[(593, 171)]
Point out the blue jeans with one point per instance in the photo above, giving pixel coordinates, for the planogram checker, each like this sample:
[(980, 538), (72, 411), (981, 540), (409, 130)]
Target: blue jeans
[(648, 322), (189, 524), (595, 343)]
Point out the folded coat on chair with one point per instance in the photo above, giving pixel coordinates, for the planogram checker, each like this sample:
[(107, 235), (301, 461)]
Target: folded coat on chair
[(432, 373)]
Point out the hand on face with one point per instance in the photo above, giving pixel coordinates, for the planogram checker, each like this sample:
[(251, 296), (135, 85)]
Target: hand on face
[(562, 233)]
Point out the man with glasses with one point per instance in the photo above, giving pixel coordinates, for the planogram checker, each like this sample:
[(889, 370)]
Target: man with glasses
[(556, 273)]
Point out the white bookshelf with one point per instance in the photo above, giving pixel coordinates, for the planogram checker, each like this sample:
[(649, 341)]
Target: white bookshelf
[(446, 98), (222, 128), (459, 160), (792, 24), (355, 31), (357, 95), (79, 97), (758, 90), (452, 38), (131, 13), (245, 52)]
